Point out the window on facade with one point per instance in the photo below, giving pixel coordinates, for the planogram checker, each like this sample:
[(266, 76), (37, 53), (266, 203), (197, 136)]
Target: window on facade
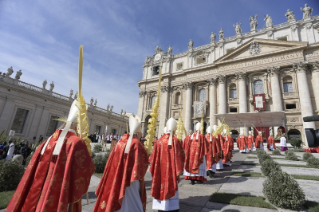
[(284, 38), (230, 50), (202, 95), (53, 125), (233, 110), (152, 101), (258, 87), (179, 66), (98, 129), (19, 120), (291, 106), (287, 84), (233, 91), (201, 60), (156, 70), (177, 98)]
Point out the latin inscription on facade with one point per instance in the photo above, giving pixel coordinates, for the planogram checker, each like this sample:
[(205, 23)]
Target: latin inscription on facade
[(261, 61)]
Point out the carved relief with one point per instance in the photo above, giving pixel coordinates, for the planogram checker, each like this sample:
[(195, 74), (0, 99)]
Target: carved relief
[(212, 81), (241, 75), (254, 48), (221, 79), (273, 70), (164, 89), (187, 85), (300, 67)]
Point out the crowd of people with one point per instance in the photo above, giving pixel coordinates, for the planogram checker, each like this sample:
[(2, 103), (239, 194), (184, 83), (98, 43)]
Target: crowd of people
[(10, 149), (100, 138)]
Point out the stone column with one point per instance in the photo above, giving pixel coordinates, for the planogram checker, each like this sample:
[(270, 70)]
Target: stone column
[(315, 83), (163, 109), (222, 94), (188, 87), (304, 94), (140, 107), (212, 101), (241, 77), (275, 88)]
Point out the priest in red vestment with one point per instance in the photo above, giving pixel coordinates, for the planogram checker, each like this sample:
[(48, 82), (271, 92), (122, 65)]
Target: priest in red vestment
[(241, 142), (271, 143), (58, 174), (250, 141), (167, 163), (122, 186), (195, 157), (227, 148), (259, 141), (213, 150)]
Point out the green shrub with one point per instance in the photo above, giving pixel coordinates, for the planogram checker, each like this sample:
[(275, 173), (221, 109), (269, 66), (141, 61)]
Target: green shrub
[(269, 166), (283, 191), (93, 155), (100, 162), (291, 156), (260, 152), (313, 162), (276, 152), (290, 150), (11, 173), (97, 148), (263, 158), (307, 155), (295, 143)]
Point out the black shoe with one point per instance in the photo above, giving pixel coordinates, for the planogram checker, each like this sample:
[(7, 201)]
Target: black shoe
[(199, 182), (192, 182), (210, 173)]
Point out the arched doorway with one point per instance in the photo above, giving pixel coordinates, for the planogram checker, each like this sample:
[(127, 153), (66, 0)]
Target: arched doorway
[(294, 134), (234, 134)]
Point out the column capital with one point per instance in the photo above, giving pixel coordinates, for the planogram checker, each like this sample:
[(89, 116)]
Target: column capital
[(241, 75), (300, 67), (222, 79), (164, 89), (187, 85), (212, 81), (314, 66), (142, 93), (272, 71)]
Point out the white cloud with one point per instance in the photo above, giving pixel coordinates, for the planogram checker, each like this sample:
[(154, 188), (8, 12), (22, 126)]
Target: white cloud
[(42, 39)]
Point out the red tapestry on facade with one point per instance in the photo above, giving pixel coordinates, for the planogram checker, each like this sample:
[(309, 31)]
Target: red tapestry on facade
[(259, 102)]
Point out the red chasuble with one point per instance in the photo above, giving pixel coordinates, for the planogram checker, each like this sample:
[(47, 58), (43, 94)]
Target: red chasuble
[(213, 150), (271, 141), (227, 150), (259, 140), (51, 182), (241, 141), (121, 169), (250, 141), (167, 164), (195, 150)]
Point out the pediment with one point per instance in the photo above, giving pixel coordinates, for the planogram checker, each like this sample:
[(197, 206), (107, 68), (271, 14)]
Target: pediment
[(260, 47)]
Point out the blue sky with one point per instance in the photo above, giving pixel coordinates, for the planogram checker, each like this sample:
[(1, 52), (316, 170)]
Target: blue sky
[(42, 38)]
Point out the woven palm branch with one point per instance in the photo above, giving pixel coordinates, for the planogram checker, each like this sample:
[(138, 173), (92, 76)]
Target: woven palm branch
[(153, 120), (83, 121)]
